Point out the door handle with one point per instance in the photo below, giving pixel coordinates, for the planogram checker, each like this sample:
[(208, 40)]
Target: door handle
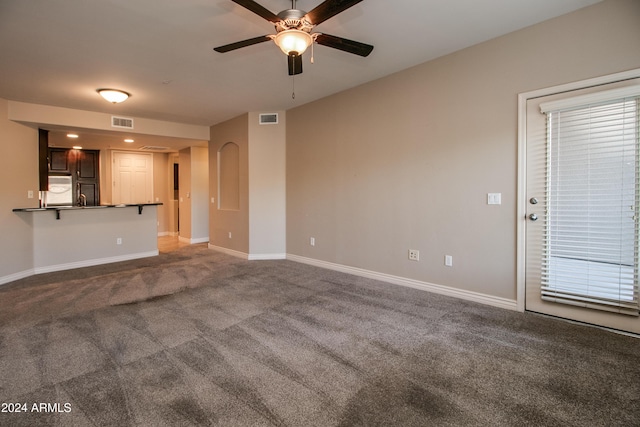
[(533, 217)]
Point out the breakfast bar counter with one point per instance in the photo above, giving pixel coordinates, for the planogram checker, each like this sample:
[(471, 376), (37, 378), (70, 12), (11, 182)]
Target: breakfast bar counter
[(58, 209), (80, 236)]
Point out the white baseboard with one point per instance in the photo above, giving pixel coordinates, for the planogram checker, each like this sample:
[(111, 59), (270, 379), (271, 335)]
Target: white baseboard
[(250, 257), (16, 276), (228, 251), (91, 262), (412, 283), (72, 265), (200, 239), (263, 257), (396, 280), (193, 240)]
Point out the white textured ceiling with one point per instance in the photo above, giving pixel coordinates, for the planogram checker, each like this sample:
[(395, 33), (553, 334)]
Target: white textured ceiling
[(58, 52)]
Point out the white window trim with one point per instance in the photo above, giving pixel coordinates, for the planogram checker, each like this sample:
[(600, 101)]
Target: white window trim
[(591, 98)]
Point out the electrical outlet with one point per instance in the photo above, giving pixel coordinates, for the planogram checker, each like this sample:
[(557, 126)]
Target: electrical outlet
[(119, 241), (448, 260), (30, 194), (414, 255), (229, 234), (312, 241)]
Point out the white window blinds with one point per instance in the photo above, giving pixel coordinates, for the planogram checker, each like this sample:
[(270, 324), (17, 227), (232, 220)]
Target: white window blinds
[(592, 192)]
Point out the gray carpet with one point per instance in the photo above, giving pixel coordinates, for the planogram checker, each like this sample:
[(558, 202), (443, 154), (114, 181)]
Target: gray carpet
[(196, 337)]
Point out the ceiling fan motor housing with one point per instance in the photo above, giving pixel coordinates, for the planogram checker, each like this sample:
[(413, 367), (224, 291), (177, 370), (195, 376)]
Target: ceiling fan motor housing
[(293, 19)]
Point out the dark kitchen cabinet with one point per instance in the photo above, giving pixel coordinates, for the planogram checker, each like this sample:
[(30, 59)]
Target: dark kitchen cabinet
[(83, 167), (87, 175), (59, 161)]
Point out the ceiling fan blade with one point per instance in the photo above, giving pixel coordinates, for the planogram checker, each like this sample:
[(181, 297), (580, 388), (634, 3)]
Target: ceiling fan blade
[(345, 45), (327, 9), (244, 43), (295, 64), (258, 10)]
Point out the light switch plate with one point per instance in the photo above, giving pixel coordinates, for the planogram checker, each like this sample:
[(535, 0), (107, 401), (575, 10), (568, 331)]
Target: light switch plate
[(494, 198)]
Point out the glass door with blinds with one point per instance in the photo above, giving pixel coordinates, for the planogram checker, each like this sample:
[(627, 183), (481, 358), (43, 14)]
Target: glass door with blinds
[(583, 205)]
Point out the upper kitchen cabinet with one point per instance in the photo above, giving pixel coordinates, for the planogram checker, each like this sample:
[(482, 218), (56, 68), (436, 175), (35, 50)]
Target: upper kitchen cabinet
[(59, 159), (82, 167)]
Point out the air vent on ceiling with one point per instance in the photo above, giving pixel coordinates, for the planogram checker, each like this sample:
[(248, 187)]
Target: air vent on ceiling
[(269, 119), (121, 122), (153, 148)]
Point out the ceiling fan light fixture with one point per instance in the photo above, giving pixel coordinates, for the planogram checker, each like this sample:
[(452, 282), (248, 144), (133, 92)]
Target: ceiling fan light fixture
[(293, 41), (113, 95)]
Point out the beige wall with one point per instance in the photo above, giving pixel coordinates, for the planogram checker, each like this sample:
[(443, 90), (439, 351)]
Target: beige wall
[(199, 194), (18, 175), (225, 221), (406, 162), (267, 188), (194, 195), (184, 206), (258, 224), (51, 115), (161, 190)]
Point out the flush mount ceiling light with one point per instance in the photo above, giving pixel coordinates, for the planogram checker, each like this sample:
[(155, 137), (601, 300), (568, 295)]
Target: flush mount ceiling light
[(113, 95), (129, 140), (72, 135)]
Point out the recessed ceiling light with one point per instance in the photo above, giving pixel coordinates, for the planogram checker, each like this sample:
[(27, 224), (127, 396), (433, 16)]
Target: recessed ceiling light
[(72, 135), (128, 140), (77, 147)]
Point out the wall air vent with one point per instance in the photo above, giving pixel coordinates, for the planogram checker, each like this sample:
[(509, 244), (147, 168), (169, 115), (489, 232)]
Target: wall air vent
[(121, 122), (269, 119), (153, 148)]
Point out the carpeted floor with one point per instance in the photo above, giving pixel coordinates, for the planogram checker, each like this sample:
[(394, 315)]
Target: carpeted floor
[(196, 337)]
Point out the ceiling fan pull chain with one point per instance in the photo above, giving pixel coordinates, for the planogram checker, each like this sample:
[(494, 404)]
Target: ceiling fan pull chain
[(312, 43), (293, 87)]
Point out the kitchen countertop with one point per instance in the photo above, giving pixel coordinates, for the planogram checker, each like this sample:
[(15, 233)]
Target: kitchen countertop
[(59, 208)]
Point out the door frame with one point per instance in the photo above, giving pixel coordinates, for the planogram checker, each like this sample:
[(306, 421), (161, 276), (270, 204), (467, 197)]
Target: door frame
[(522, 164)]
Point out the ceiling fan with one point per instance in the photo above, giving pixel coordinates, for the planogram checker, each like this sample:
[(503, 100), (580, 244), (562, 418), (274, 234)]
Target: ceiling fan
[(293, 31)]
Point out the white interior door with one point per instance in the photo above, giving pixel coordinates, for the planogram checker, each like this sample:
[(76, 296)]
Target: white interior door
[(582, 176), (132, 178)]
